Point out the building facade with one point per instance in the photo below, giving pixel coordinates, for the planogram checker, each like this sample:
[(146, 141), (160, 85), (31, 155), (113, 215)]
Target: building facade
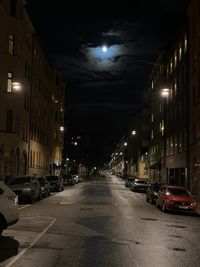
[(168, 85), (31, 98), (193, 15)]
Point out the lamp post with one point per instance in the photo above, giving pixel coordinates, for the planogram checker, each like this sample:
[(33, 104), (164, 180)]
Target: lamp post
[(165, 95)]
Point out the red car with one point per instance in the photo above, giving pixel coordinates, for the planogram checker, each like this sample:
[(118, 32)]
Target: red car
[(178, 198)]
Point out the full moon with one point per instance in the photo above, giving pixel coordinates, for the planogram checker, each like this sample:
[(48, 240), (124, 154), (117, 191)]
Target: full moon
[(104, 48)]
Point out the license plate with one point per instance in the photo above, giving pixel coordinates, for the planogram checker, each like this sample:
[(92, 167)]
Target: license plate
[(183, 207)]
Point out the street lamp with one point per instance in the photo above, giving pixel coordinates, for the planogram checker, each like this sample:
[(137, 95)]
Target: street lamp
[(16, 86), (133, 132), (165, 92)]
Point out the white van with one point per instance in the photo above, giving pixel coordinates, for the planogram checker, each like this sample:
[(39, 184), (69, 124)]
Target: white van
[(8, 207)]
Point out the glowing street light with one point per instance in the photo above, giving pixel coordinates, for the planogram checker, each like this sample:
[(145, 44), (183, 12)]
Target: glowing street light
[(125, 144), (165, 92), (16, 86), (62, 129), (133, 132)]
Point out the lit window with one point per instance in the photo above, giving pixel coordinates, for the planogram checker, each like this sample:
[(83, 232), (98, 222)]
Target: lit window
[(175, 59), (11, 40), (175, 87), (9, 82), (152, 134), (185, 43), (171, 66), (152, 85), (151, 117), (162, 127), (180, 52)]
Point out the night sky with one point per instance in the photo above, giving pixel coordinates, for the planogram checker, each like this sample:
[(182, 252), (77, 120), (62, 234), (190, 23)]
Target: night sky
[(104, 89)]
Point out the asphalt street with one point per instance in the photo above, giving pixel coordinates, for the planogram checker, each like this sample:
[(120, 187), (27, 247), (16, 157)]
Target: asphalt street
[(100, 223)]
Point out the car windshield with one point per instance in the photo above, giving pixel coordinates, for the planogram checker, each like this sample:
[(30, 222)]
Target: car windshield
[(20, 180), (141, 182), (41, 180), (178, 192), (156, 187), (52, 178), (130, 179)]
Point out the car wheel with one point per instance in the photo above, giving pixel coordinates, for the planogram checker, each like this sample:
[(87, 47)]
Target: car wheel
[(40, 195), (153, 200), (31, 199), (163, 207), (157, 204)]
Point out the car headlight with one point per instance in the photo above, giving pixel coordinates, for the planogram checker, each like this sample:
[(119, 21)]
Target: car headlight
[(28, 189), (13, 198), (193, 204)]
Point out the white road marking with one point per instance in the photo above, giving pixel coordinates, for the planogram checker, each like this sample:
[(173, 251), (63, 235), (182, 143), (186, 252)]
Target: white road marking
[(23, 207), (31, 245)]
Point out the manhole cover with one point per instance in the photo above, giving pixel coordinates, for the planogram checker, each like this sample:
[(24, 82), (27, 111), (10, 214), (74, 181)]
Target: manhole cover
[(177, 249), (176, 236), (176, 226), (125, 242), (148, 219)]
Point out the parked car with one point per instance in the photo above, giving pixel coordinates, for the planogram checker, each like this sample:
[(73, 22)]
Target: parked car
[(26, 187), (68, 179), (139, 185), (56, 182), (75, 177), (129, 181), (152, 192), (178, 198), (8, 207), (45, 186)]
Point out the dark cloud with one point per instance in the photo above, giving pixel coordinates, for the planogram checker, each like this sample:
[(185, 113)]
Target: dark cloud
[(104, 90)]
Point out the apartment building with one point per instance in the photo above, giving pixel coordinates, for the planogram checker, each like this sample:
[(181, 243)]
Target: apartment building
[(168, 85), (31, 98), (193, 15)]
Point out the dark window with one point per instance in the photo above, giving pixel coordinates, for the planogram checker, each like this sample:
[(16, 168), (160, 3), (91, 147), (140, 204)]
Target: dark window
[(11, 44), (13, 8), (9, 120)]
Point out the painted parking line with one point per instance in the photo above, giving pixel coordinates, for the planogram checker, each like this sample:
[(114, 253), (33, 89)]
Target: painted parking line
[(31, 245), (23, 207)]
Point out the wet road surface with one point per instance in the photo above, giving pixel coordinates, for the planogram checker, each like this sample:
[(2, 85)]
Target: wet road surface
[(100, 223)]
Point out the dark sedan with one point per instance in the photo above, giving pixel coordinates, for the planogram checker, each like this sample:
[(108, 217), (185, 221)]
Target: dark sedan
[(45, 186), (139, 185), (152, 192), (129, 181), (26, 187), (56, 183)]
